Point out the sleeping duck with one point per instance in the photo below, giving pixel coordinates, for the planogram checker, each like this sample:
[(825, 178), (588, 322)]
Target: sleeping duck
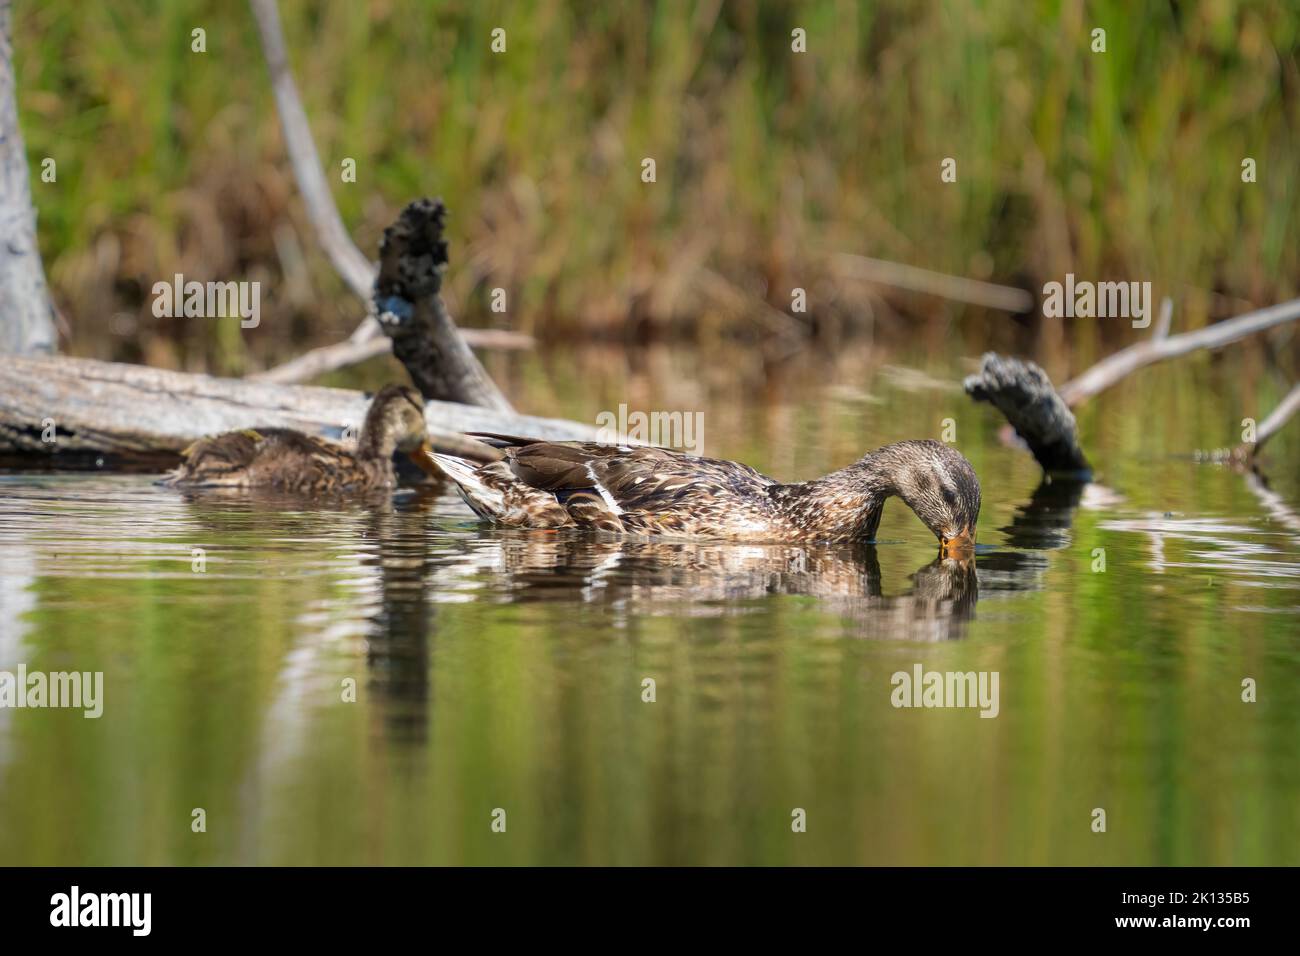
[(286, 460), (643, 490)]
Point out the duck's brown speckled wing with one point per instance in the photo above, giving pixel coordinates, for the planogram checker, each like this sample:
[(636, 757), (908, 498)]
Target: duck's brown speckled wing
[(645, 490), (272, 458), (216, 459)]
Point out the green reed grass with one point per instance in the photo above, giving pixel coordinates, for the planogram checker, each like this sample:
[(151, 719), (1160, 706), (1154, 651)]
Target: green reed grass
[(1123, 164)]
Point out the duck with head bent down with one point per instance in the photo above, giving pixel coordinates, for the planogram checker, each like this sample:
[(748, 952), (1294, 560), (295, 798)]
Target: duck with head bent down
[(643, 490)]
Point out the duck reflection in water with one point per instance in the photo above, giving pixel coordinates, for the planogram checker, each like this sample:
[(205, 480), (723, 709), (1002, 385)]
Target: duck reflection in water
[(711, 579), (422, 554)]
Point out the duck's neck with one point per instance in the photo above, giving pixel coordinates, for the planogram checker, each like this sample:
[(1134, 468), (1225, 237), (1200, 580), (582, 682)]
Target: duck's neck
[(377, 441), (373, 446), (844, 505)]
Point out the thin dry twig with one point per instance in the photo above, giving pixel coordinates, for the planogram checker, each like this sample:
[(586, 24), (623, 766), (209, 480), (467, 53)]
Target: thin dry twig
[(1276, 419), (914, 279), (353, 351)]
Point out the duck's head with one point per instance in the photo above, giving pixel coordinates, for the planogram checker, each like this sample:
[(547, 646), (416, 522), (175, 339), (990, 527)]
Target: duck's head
[(939, 485), (395, 422)]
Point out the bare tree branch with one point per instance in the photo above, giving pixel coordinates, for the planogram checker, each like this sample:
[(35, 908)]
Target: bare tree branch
[(1276, 419), (327, 358), (1159, 348), (357, 270)]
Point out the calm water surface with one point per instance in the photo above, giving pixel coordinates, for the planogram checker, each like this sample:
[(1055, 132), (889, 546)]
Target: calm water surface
[(505, 670)]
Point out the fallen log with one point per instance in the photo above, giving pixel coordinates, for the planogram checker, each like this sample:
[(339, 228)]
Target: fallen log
[(70, 407)]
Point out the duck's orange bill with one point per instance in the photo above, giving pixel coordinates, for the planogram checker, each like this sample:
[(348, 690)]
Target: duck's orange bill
[(423, 457), (962, 545)]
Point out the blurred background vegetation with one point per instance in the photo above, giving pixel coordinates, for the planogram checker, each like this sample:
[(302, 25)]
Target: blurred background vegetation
[(1117, 165)]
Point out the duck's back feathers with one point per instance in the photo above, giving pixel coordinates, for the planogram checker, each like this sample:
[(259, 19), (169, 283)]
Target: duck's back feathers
[(618, 488), (216, 460), (277, 458)]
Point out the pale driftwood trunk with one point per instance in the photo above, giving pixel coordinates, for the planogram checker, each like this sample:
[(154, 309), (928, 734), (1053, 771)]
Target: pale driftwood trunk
[(26, 318), (106, 408)]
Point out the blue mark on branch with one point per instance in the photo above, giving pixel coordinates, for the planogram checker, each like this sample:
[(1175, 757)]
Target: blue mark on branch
[(396, 305)]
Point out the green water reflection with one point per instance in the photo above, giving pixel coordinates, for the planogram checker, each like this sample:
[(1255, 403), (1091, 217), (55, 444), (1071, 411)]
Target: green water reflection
[(505, 669)]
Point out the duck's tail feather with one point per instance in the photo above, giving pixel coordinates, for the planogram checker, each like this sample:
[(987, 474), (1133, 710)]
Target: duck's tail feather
[(484, 500), (498, 440)]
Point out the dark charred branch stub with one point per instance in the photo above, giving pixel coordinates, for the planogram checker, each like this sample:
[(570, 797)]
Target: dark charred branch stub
[(412, 259), (1024, 394)]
